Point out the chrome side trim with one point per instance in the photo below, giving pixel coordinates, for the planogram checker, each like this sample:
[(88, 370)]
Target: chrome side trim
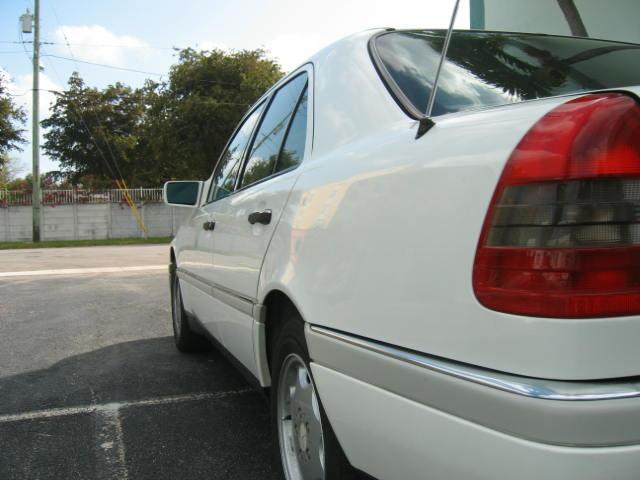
[(232, 298), (525, 386), (193, 280)]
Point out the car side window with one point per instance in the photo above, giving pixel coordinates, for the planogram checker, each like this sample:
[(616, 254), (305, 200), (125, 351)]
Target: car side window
[(226, 173), (294, 144), (268, 140)]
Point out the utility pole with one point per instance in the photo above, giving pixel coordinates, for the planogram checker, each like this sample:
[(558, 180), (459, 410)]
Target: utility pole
[(31, 23), (36, 124)]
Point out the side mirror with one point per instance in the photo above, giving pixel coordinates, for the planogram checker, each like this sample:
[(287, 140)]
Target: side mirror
[(182, 194)]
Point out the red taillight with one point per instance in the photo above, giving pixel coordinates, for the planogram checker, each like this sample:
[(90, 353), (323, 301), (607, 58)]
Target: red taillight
[(562, 235)]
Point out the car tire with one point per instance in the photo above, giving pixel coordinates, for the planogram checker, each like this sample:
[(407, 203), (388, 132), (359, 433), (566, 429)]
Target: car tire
[(186, 340), (297, 413)]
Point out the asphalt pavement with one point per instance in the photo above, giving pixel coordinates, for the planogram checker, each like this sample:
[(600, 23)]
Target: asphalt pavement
[(92, 387)]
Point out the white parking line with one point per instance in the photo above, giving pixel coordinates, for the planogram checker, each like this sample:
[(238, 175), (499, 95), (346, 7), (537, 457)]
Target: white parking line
[(77, 271), (111, 463), (114, 406)]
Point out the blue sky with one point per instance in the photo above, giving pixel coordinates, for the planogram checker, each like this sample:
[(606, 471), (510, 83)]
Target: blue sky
[(140, 34)]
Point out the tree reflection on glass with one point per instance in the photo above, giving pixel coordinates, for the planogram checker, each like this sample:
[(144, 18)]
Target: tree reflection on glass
[(495, 68)]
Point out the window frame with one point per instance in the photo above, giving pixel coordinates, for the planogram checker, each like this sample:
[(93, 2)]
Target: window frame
[(247, 153)]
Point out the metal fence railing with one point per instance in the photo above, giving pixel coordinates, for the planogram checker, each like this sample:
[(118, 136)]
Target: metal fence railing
[(10, 198)]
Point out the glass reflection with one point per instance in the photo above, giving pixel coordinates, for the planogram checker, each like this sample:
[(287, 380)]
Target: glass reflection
[(492, 68)]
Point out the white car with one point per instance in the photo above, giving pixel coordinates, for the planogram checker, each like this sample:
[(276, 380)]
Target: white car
[(452, 297)]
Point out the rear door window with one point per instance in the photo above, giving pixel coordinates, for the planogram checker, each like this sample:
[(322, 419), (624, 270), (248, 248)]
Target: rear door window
[(269, 138)]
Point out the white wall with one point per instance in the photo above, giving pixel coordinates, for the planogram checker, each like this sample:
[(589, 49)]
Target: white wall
[(86, 222), (607, 19)]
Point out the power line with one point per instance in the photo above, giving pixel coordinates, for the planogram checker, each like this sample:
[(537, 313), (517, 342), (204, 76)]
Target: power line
[(24, 41), (73, 58), (175, 49), (18, 94), (86, 127), (104, 45), (120, 178), (113, 67), (31, 90), (102, 155)]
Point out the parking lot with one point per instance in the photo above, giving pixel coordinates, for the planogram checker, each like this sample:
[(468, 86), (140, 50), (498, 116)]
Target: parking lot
[(91, 385)]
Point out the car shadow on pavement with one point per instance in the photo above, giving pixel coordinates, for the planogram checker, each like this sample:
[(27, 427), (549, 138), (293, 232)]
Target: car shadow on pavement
[(217, 429)]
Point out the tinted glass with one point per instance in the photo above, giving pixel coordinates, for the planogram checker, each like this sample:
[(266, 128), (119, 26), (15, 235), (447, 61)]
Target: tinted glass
[(224, 178), (293, 148), (491, 68), (182, 193), (268, 140)]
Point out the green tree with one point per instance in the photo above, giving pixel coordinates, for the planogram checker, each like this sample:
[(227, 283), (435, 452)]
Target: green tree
[(190, 118), (10, 169), (47, 181), (11, 118), (175, 129), (96, 132)]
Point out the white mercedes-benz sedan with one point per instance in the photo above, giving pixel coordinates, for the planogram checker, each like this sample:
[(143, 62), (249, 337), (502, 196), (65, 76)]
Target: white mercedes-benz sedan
[(453, 296)]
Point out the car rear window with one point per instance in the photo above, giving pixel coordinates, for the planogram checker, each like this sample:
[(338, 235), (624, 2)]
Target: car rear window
[(494, 68)]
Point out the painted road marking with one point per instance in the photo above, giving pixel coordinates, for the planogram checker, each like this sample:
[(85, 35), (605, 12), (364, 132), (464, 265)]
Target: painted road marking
[(111, 460), (107, 407), (111, 463), (79, 271)]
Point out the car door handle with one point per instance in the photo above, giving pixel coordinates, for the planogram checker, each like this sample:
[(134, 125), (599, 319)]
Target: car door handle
[(209, 225), (263, 217)]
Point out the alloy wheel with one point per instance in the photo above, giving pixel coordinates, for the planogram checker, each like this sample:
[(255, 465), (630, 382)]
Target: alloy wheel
[(299, 424)]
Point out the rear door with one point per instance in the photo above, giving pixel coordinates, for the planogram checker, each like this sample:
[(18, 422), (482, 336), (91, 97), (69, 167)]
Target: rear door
[(245, 220)]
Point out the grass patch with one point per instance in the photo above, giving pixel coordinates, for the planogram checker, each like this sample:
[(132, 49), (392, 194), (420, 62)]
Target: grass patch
[(85, 243)]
